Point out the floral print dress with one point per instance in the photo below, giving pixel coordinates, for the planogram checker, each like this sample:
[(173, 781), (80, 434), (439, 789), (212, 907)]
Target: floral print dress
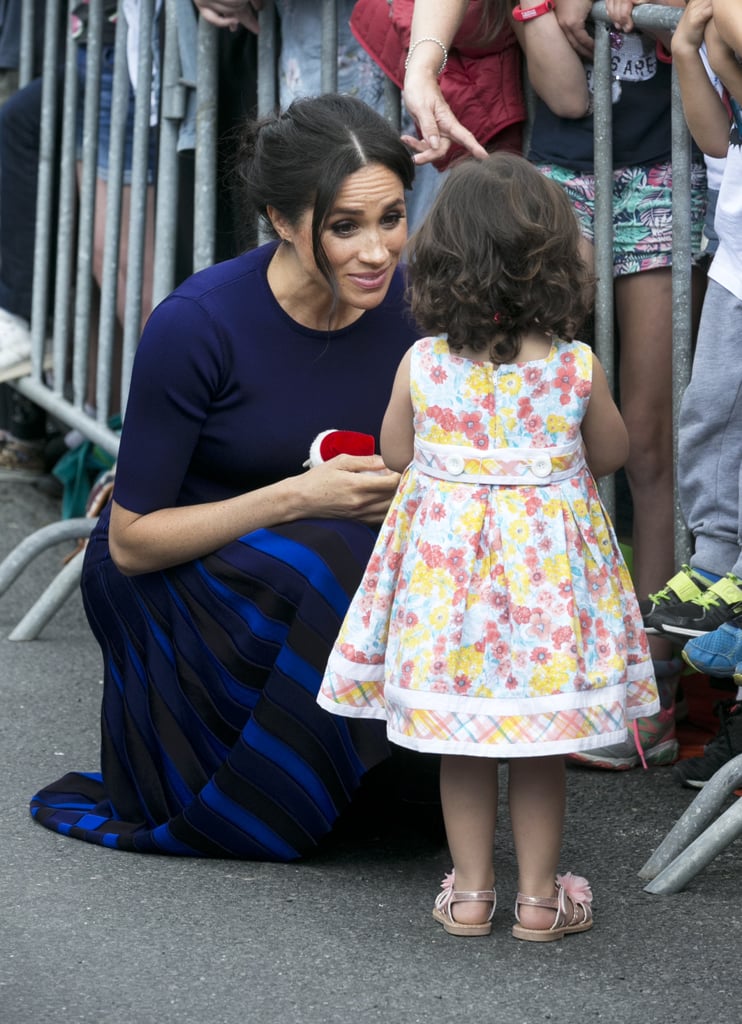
[(496, 616)]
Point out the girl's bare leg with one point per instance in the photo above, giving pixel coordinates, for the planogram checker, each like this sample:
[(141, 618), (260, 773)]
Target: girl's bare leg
[(537, 799), (469, 801), (644, 310)]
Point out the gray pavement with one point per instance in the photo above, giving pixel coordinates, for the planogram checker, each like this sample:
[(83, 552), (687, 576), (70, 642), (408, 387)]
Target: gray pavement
[(88, 934)]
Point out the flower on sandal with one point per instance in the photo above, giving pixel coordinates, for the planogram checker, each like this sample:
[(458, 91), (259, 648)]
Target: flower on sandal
[(444, 897), (576, 888), (448, 881)]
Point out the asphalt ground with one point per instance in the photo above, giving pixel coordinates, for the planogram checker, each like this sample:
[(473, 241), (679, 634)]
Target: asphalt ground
[(94, 935)]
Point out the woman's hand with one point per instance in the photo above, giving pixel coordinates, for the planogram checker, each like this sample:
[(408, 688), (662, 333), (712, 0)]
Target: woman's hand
[(438, 124), (433, 29), (349, 487), (231, 13)]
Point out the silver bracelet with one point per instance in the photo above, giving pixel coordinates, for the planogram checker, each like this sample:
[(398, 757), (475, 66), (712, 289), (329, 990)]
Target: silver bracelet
[(428, 39)]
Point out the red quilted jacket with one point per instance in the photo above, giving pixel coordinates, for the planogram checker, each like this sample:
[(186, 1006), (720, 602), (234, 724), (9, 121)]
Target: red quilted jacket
[(483, 84)]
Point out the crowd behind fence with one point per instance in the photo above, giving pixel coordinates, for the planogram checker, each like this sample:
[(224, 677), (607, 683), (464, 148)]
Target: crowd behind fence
[(61, 312)]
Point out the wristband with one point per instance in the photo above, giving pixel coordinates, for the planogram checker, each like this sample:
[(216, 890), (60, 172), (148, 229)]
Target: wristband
[(528, 13)]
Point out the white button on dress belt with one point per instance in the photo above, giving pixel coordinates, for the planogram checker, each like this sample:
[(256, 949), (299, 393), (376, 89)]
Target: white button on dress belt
[(455, 465), (541, 466)]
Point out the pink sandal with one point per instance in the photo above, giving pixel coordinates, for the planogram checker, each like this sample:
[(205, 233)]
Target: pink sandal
[(579, 919), (448, 896)]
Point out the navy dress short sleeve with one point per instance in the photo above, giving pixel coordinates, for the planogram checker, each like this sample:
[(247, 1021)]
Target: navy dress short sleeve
[(212, 742)]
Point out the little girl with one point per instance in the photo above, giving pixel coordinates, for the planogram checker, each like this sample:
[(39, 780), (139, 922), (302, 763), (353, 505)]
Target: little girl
[(496, 617)]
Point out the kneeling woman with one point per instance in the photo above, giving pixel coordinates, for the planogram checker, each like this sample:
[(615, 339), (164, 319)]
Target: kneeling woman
[(217, 580)]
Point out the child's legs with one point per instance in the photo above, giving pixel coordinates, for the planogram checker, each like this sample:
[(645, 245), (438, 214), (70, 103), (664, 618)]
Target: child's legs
[(710, 436), (537, 799), (469, 800), (642, 258), (644, 311)]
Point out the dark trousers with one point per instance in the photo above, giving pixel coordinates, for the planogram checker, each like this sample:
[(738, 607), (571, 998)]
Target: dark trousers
[(20, 121), (20, 125)]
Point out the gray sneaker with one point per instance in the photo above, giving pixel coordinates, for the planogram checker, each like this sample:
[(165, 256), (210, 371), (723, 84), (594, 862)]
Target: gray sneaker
[(655, 734)]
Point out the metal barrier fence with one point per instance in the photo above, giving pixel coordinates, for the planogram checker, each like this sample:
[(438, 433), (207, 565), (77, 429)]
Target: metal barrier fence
[(65, 232)]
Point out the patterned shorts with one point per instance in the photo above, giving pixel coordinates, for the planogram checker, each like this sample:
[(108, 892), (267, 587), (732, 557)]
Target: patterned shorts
[(642, 212)]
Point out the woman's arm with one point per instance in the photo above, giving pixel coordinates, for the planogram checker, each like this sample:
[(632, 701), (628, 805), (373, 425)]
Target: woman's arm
[(438, 125), (397, 429), (603, 429), (555, 69), (184, 367), (704, 110), (348, 486)]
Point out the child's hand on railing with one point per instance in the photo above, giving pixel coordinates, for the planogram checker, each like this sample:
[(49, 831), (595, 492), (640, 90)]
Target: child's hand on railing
[(692, 24), (620, 12)]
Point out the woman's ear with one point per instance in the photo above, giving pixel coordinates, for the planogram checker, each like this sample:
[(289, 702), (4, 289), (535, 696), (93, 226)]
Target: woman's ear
[(280, 225)]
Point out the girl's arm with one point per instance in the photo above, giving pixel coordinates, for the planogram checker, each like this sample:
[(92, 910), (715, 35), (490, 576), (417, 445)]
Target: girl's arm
[(704, 110), (555, 69), (603, 429), (397, 428), (722, 59), (728, 21), (438, 125), (348, 486)]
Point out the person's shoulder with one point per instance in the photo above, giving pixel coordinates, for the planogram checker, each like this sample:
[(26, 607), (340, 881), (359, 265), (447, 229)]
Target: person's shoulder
[(430, 349), (198, 320), (226, 274), (437, 343), (214, 298)]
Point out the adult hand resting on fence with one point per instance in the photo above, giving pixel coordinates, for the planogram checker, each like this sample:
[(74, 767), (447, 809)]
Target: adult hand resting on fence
[(229, 568), (231, 13)]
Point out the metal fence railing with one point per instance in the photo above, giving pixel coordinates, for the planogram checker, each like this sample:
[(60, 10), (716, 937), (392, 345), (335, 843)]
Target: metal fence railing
[(62, 327)]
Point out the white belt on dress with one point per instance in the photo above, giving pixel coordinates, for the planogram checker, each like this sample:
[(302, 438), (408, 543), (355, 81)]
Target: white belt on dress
[(462, 464)]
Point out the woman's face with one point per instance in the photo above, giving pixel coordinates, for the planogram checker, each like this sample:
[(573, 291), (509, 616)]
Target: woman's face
[(363, 237)]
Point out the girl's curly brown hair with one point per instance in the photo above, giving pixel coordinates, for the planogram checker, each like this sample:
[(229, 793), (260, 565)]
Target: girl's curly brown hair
[(498, 254)]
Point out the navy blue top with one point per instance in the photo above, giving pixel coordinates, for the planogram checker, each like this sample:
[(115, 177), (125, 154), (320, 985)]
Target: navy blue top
[(228, 392), (641, 125)]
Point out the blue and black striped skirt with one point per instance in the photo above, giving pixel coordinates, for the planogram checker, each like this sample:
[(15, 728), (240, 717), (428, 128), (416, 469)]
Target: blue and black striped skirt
[(212, 742)]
